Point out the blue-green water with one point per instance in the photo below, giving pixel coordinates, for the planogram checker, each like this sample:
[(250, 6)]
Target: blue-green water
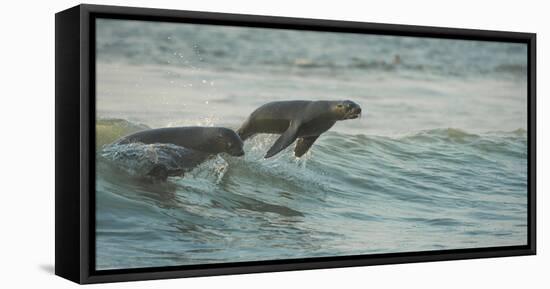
[(438, 160)]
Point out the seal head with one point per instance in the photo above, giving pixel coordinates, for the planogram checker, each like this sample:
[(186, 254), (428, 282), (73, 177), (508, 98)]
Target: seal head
[(346, 109), (223, 140)]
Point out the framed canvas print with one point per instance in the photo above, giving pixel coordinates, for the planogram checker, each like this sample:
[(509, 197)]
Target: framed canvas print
[(193, 144)]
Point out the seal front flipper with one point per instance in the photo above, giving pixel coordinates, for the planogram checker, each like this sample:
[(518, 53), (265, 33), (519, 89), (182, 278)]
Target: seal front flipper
[(287, 138), (303, 145)]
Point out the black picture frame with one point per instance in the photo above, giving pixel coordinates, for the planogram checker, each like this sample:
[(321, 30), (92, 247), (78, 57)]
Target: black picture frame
[(75, 142)]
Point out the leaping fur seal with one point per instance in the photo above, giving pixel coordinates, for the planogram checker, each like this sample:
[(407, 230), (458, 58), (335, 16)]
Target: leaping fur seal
[(302, 120)]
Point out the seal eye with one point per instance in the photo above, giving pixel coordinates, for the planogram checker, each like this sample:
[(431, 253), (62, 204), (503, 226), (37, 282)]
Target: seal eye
[(339, 105)]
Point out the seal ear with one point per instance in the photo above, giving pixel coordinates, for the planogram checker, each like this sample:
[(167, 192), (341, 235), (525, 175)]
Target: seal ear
[(287, 138)]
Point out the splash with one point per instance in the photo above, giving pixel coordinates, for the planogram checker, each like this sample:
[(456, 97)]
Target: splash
[(208, 121), (152, 160), (213, 169)]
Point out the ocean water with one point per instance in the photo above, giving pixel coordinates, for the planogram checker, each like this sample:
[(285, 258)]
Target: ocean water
[(437, 161)]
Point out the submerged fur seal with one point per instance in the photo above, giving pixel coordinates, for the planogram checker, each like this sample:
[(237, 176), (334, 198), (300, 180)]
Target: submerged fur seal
[(302, 120), (200, 142)]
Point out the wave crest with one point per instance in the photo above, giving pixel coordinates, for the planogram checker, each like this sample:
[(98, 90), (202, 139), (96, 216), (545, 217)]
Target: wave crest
[(110, 129)]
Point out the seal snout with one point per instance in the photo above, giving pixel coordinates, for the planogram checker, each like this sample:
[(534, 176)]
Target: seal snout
[(237, 148), (353, 110), (238, 153)]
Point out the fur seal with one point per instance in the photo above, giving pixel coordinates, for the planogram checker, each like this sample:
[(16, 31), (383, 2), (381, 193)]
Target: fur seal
[(212, 140), (200, 144), (299, 119)]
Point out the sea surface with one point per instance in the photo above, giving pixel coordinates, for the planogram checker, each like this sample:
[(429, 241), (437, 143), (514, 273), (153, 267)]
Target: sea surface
[(437, 161)]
